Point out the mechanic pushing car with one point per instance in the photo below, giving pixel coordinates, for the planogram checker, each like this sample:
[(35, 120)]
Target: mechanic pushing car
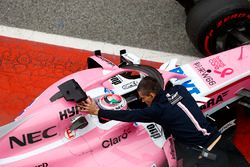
[(197, 141)]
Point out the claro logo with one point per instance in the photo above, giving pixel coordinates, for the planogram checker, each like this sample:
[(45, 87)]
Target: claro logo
[(112, 141), (31, 138)]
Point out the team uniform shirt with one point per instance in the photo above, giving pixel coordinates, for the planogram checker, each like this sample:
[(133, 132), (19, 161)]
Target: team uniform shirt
[(176, 110)]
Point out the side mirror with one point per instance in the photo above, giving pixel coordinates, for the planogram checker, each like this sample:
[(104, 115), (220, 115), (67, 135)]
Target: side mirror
[(79, 122)]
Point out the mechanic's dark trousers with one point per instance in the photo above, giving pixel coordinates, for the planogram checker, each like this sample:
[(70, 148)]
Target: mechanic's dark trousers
[(227, 155)]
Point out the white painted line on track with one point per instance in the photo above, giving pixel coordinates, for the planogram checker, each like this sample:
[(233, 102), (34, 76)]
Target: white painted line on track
[(90, 45)]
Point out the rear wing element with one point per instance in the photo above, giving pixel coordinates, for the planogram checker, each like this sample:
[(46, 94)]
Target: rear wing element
[(98, 61)]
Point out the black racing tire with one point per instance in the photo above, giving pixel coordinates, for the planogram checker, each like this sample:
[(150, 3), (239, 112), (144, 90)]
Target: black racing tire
[(209, 22)]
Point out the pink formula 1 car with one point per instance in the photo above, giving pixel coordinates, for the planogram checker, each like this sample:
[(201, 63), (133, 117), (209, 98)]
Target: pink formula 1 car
[(52, 131)]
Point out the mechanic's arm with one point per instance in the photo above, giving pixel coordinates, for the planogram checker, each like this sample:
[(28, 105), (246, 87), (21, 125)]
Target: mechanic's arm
[(134, 115)]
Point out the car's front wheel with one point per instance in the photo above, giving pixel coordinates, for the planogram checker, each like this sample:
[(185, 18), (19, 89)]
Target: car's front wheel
[(214, 26)]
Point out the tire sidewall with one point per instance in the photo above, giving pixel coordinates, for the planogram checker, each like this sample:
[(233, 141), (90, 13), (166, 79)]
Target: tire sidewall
[(207, 40)]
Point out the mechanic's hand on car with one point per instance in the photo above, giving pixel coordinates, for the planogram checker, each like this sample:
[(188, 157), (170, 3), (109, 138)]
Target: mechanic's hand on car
[(88, 106)]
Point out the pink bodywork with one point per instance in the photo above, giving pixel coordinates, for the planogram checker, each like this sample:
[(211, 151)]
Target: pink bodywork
[(226, 74), (40, 137), (219, 77)]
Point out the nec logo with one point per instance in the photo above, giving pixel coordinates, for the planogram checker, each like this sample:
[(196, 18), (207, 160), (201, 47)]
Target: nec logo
[(31, 138)]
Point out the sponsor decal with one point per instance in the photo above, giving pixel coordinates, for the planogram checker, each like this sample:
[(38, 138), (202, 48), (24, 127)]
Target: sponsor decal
[(108, 91), (154, 131), (214, 101), (174, 98), (31, 138), (106, 60), (113, 141), (69, 134), (69, 112), (205, 73), (43, 165), (226, 71), (130, 85), (188, 84), (217, 63), (115, 80)]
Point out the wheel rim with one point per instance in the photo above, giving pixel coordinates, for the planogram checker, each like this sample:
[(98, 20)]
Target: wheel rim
[(233, 35)]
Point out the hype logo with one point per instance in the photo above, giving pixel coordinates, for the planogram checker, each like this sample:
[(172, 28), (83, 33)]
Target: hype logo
[(217, 63)]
